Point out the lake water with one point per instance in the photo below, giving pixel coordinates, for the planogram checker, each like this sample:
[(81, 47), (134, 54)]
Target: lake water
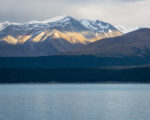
[(75, 102)]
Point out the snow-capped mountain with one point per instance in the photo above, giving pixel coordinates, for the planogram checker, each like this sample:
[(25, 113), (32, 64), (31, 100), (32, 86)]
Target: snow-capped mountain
[(40, 38), (100, 28), (126, 29)]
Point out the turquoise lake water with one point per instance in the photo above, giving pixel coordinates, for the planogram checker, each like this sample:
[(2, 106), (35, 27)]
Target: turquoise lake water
[(75, 102)]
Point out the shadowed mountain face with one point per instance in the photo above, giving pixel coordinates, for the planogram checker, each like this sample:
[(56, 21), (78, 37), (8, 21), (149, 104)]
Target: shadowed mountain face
[(136, 43), (50, 37)]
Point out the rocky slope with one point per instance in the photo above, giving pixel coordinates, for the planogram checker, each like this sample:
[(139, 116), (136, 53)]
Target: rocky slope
[(133, 44)]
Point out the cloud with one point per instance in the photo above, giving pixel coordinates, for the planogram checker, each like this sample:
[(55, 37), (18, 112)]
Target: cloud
[(128, 12)]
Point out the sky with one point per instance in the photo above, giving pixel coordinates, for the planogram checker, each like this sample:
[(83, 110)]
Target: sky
[(117, 12)]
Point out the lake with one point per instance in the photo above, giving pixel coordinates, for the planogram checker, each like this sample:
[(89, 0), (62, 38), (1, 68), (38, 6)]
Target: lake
[(75, 102)]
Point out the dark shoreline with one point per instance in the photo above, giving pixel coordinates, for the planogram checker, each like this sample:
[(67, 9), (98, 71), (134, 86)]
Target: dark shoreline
[(139, 75)]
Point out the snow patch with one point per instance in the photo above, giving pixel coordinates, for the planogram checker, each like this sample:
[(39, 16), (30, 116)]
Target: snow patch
[(110, 31), (95, 25), (3, 25)]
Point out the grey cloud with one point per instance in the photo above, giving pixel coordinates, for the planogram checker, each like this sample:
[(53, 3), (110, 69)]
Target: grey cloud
[(114, 11)]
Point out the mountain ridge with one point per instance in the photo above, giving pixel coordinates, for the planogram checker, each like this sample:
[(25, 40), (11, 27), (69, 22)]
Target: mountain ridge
[(132, 44)]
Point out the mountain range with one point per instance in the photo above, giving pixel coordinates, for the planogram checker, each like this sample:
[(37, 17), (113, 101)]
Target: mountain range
[(59, 34), (65, 35)]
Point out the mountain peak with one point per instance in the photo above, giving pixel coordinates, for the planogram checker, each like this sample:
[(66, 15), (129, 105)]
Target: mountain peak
[(54, 19)]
